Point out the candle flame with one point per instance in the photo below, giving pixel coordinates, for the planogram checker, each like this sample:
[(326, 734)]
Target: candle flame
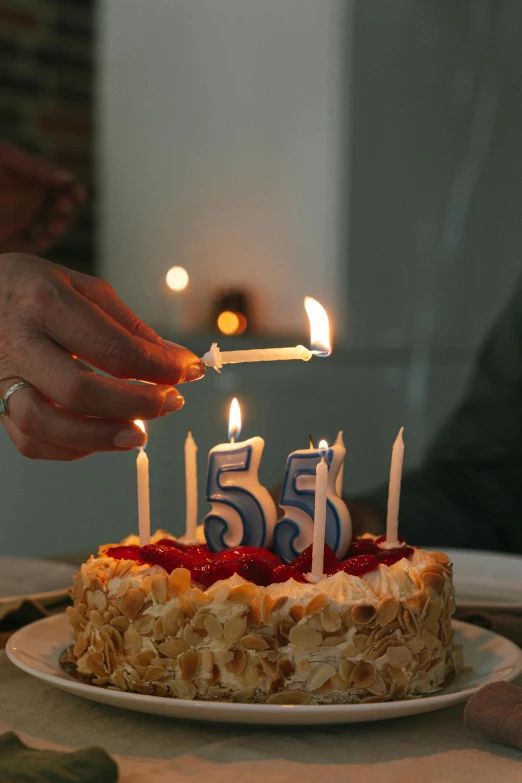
[(234, 421), (140, 424), (319, 327), (323, 444)]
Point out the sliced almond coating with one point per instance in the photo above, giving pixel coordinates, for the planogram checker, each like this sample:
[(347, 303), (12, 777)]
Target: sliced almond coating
[(100, 600), (187, 606), (242, 694), (377, 687), (363, 674), (288, 697), (118, 678), (269, 667), (304, 636), (191, 637), (238, 662), (254, 642), (387, 610), (143, 658), (144, 624), (360, 640), (77, 588), (423, 659), (278, 603), (350, 651), (276, 684), (431, 625), (363, 614), (146, 586), (338, 684), (154, 673), (219, 593), (78, 621), (144, 688), (165, 662), (399, 657), (120, 622), (235, 628), (157, 630), (159, 588), (179, 581), (399, 692), (172, 621), (213, 626), (297, 613), (283, 629), (207, 662), (435, 581), (317, 604), (173, 647), (319, 675), (415, 644), (242, 594), (254, 615), (198, 597), (159, 689), (286, 667), (333, 641), (131, 603), (429, 639), (189, 664), (94, 662), (82, 608), (132, 641), (80, 646), (330, 619), (182, 689), (96, 618), (345, 670)]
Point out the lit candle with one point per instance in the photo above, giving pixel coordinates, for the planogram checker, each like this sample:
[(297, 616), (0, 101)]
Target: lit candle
[(339, 441), (294, 532), (142, 468), (319, 339), (321, 488), (394, 492), (243, 512), (191, 489)]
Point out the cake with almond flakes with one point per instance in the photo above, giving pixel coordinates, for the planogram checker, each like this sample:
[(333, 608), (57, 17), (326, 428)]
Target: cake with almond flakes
[(178, 621)]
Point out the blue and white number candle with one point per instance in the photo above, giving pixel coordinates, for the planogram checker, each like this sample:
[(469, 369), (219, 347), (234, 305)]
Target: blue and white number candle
[(243, 512), (295, 531)]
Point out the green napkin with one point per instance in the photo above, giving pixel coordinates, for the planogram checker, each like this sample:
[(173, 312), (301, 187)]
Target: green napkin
[(20, 764)]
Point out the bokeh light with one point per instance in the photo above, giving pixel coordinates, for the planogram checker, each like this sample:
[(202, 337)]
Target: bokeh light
[(177, 278)]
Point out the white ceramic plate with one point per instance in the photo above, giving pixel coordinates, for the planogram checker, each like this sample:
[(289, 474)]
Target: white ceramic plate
[(37, 648), (22, 578), (487, 580)]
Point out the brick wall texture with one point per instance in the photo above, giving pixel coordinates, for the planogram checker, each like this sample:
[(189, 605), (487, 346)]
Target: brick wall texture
[(46, 106)]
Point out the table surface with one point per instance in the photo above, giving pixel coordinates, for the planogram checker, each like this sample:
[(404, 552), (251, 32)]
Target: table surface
[(431, 748)]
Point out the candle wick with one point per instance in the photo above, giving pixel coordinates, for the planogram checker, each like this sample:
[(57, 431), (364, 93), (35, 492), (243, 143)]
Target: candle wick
[(232, 439), (310, 441)]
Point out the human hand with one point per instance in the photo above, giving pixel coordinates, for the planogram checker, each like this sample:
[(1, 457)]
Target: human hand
[(51, 318), (37, 202)]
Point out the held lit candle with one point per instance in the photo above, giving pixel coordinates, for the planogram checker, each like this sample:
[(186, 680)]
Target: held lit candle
[(319, 339), (142, 468), (243, 512), (191, 489), (321, 488), (394, 493), (339, 441)]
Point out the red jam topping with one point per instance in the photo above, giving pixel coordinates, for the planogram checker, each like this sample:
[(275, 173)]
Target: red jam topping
[(257, 565)]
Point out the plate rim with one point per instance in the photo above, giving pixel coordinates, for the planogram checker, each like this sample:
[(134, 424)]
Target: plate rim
[(45, 596), (194, 708)]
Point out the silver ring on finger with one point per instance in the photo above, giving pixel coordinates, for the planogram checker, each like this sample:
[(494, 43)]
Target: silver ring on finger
[(4, 401)]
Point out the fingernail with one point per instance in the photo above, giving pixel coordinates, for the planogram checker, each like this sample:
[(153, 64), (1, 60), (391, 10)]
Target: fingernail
[(129, 439), (195, 372), (173, 402)]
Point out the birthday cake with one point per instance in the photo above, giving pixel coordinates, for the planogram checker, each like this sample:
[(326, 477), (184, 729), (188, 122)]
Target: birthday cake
[(178, 621)]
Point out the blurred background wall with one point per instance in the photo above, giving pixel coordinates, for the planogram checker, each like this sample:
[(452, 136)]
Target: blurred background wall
[(365, 153)]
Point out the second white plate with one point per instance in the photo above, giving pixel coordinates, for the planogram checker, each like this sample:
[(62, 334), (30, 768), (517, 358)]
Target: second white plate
[(487, 580), (37, 648)]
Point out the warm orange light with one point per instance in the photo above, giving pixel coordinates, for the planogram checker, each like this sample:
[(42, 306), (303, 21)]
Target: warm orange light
[(323, 445), (177, 278), (231, 323), (140, 424), (234, 421), (319, 327), (228, 322)]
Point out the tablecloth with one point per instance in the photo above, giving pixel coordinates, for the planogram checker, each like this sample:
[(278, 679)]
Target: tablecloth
[(431, 748)]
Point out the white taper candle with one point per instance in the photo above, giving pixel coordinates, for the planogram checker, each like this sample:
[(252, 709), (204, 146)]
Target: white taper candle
[(339, 441), (321, 487), (142, 467), (394, 493), (191, 488)]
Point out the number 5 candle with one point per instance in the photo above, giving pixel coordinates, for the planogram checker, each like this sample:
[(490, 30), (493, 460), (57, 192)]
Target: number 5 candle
[(243, 513), (295, 531)]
